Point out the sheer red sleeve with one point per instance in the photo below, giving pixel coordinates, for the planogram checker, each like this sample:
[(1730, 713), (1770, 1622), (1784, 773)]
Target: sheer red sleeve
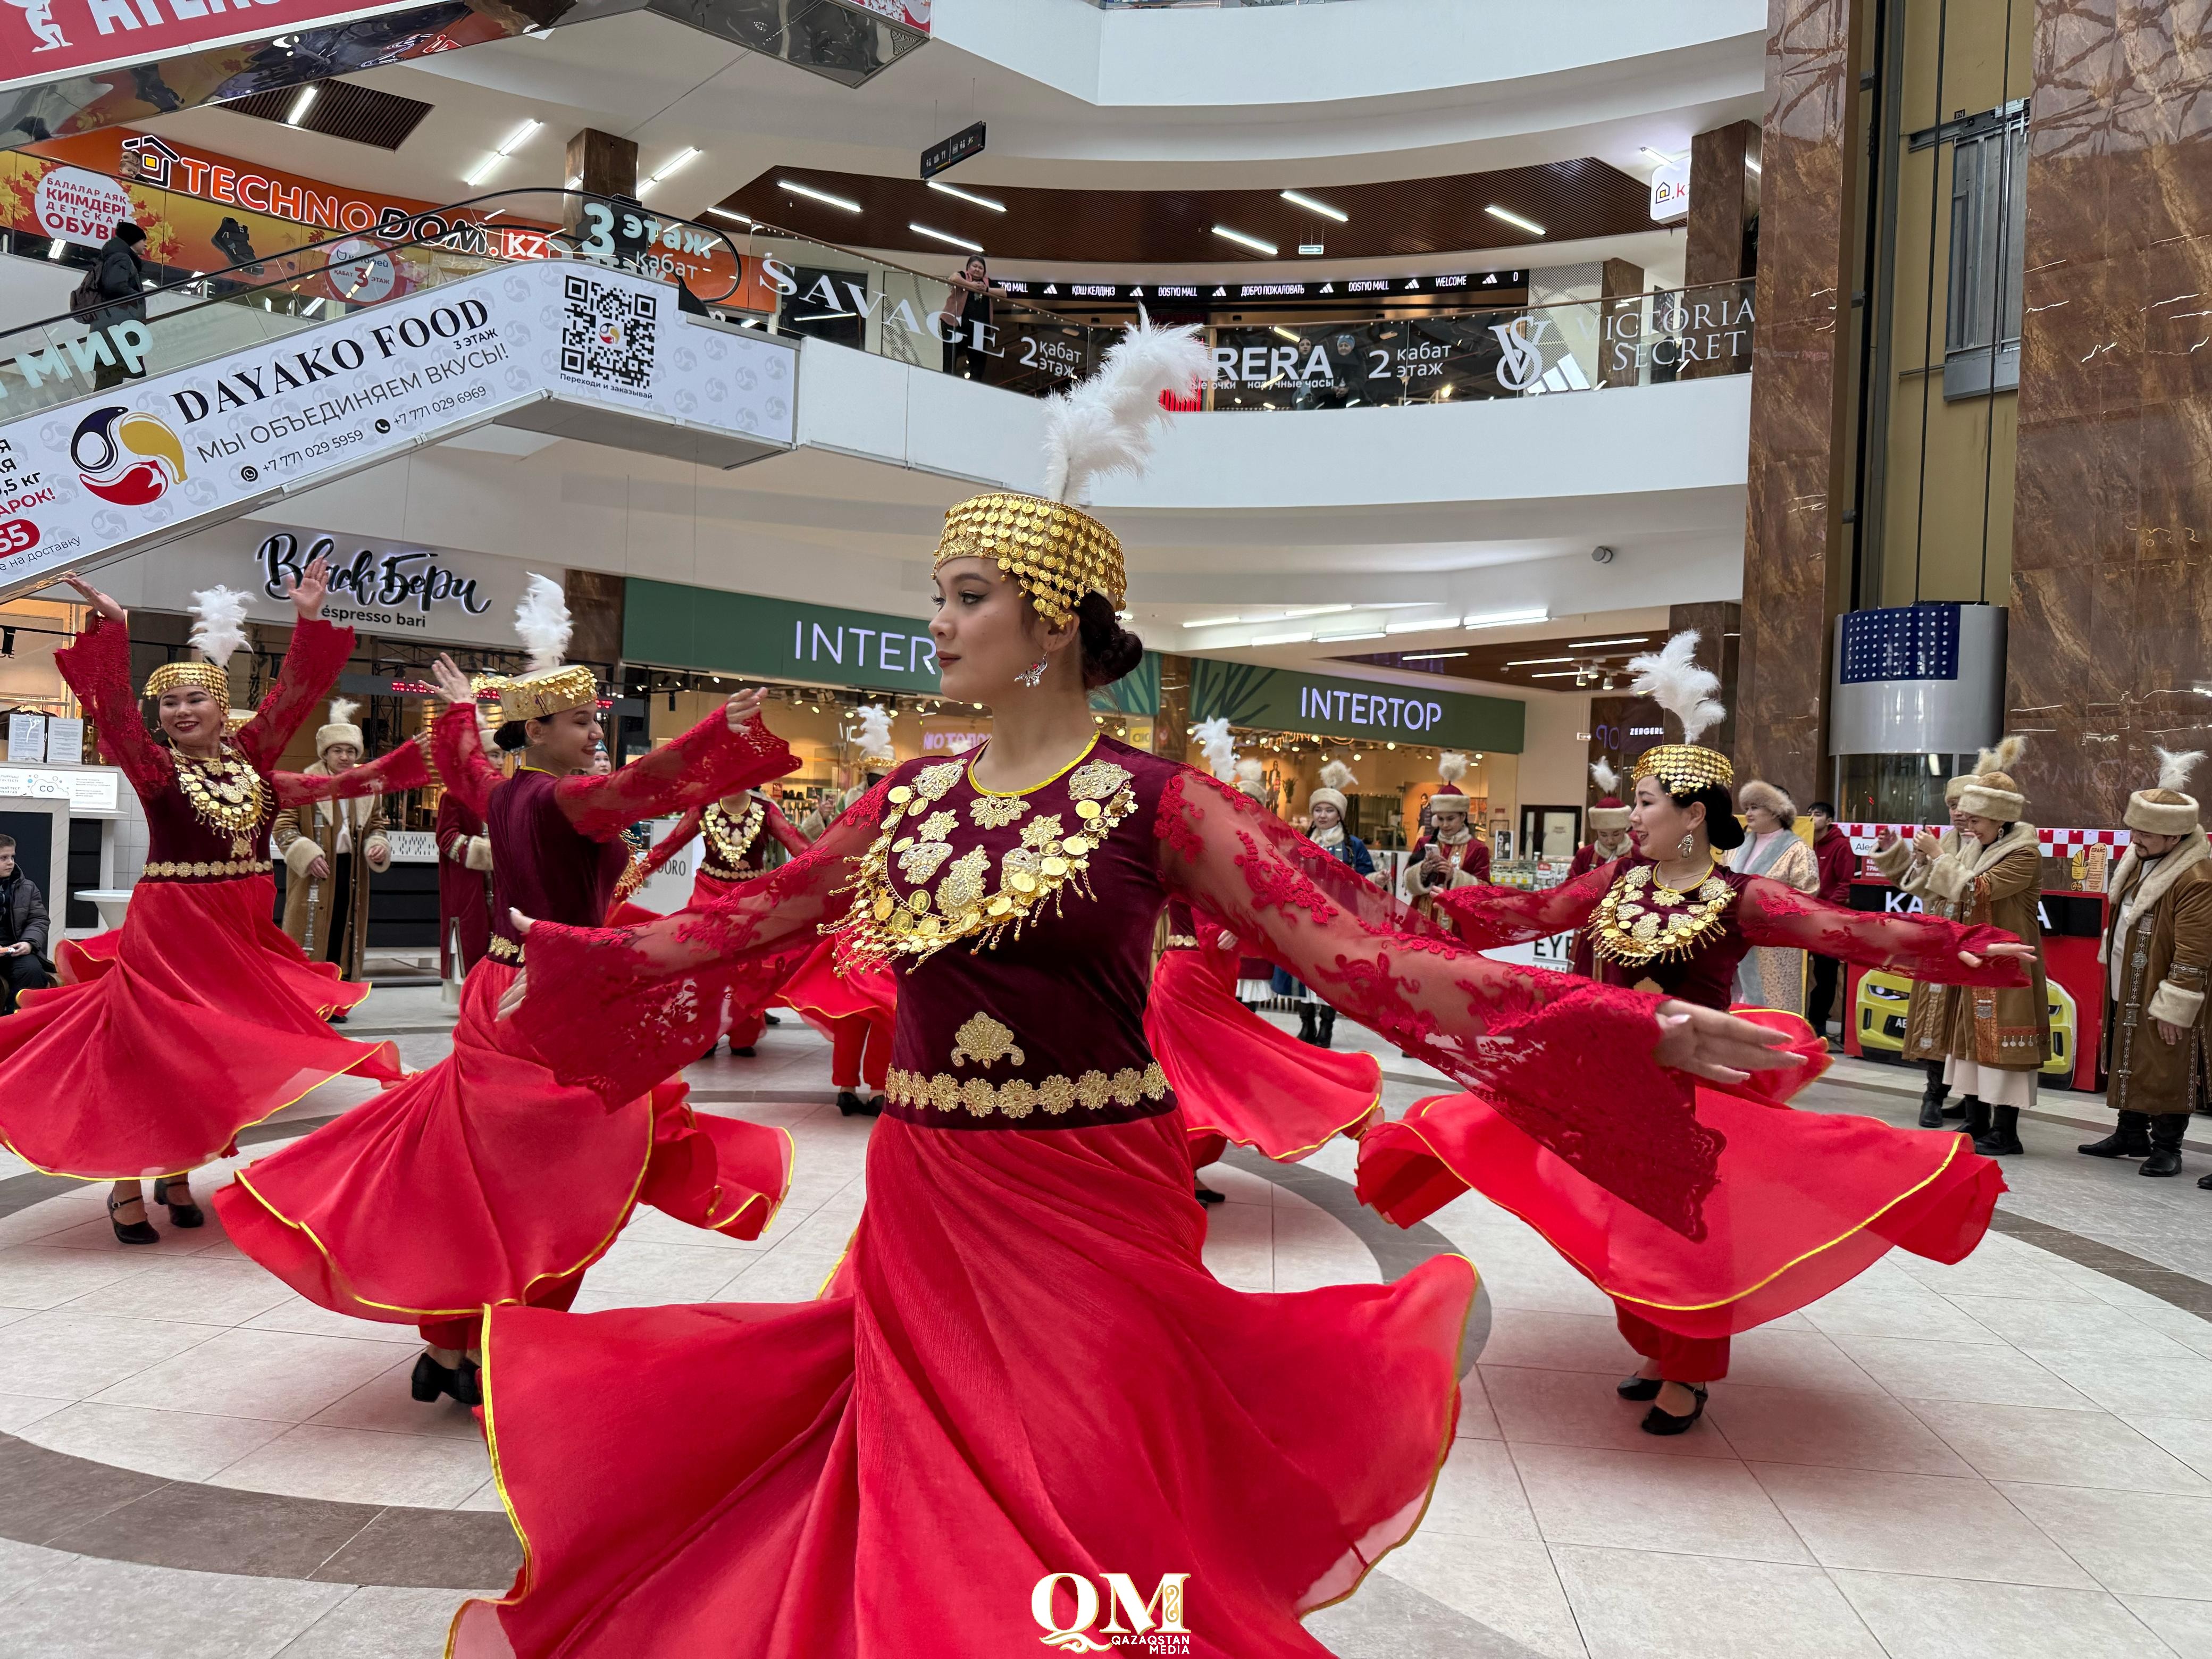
[(404, 767), (1564, 1059), (462, 766), (1489, 917), (686, 830), (785, 833), (1919, 947), (664, 989), (707, 762), (313, 663), (97, 666)]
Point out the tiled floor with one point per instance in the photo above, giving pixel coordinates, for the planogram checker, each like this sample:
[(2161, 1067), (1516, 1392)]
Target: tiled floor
[(2008, 1457)]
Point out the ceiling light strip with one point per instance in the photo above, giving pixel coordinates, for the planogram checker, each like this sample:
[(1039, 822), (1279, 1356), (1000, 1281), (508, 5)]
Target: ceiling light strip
[(1242, 241), (945, 236), (1311, 206), (966, 195), (1514, 219), (797, 189)]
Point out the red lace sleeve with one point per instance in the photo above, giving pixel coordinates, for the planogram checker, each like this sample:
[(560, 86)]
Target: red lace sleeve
[(785, 833), (404, 767), (97, 666), (657, 994), (686, 830), (707, 762), (457, 742), (1919, 947), (1566, 1060), (313, 663), (1490, 917)]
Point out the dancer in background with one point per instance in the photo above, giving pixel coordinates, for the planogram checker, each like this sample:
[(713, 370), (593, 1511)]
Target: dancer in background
[(1609, 840), (1022, 1360), (1803, 1201), (464, 876), (483, 1179), (203, 1018), (1327, 806), (1450, 854), (330, 850)]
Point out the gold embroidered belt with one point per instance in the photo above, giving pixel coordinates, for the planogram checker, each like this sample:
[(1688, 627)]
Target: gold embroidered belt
[(716, 872), (1179, 942), (1093, 1091), (504, 948), (233, 867)]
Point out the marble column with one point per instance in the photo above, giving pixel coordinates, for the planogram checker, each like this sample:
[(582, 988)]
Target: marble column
[(599, 164), (1724, 201), (1798, 440), (2111, 558), (595, 605), (1719, 626), (1169, 736), (1620, 291)]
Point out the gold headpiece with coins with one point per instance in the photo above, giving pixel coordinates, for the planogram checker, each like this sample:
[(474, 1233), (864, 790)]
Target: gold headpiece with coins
[(1055, 552), (218, 629), (1670, 676)]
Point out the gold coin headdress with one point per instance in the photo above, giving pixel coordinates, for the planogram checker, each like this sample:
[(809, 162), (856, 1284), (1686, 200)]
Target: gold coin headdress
[(218, 629), (1671, 677), (547, 687), (1053, 551)]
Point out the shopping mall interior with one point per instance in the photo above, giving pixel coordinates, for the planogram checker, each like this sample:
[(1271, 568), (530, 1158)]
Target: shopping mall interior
[(1866, 339)]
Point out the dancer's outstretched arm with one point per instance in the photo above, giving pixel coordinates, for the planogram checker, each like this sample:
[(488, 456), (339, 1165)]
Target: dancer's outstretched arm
[(313, 662), (1490, 917), (97, 666), (1919, 947)]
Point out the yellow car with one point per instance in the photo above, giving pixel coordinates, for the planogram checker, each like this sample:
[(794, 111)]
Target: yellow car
[(1883, 999)]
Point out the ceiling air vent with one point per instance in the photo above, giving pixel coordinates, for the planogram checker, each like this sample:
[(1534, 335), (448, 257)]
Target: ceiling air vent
[(341, 110)]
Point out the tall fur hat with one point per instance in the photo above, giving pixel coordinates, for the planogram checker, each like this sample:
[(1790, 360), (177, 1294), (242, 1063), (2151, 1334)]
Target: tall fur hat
[(1335, 778), (2167, 810), (1758, 791), (341, 727), (1990, 791), (1451, 767), (1608, 815)]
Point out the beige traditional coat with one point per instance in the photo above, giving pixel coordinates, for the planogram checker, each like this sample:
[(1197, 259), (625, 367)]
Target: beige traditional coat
[(1772, 976), (302, 832), (2001, 885), (2162, 961)]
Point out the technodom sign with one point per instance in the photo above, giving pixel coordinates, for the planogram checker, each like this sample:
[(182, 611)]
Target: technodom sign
[(146, 462)]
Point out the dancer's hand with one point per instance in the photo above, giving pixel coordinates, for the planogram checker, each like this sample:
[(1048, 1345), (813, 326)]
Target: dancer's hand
[(2016, 949), (452, 684), (1718, 1046), (108, 608), (743, 706), (307, 590), (511, 998)]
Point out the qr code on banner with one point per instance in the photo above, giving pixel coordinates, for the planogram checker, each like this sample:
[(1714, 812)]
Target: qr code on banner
[(607, 334)]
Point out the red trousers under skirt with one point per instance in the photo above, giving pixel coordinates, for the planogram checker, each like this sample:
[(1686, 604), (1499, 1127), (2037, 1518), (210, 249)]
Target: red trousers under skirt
[(1023, 1368), (199, 1018), (855, 1009), (484, 1180), (859, 1049)]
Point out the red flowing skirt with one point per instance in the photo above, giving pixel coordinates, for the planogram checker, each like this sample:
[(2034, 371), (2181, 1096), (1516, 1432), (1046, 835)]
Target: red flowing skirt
[(1805, 1201), (820, 993), (484, 1178), (317, 984), (1021, 1369), (204, 1018), (1239, 1078)]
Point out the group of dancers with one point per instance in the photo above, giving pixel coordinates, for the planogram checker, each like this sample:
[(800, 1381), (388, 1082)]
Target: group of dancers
[(1020, 1393)]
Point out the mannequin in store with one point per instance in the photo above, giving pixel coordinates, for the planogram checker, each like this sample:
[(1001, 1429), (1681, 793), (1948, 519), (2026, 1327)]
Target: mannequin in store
[(2157, 950), (1987, 868), (483, 1179), (967, 1374), (199, 1016), (1799, 1185), (1448, 854), (330, 850)]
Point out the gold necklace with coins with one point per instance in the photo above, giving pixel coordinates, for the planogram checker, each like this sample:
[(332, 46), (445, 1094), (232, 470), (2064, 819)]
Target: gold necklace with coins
[(1642, 920), (885, 922), (730, 842), (225, 793)]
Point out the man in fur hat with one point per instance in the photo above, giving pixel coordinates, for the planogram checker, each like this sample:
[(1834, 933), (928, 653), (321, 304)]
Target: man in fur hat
[(330, 849), (1987, 868), (1450, 854), (2157, 948)]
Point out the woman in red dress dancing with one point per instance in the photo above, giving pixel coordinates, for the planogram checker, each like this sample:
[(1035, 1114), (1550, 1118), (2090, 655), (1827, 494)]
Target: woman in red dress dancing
[(1805, 1200), (204, 1017), (1023, 1410), (483, 1179)]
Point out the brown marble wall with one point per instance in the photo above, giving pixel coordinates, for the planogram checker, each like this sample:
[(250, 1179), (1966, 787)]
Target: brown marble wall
[(1798, 442), (1723, 200), (1719, 626), (2111, 590), (1620, 286), (595, 605)]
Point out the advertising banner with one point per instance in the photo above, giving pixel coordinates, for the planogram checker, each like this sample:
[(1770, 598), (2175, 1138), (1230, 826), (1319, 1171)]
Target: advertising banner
[(1285, 700), (160, 457), (677, 626)]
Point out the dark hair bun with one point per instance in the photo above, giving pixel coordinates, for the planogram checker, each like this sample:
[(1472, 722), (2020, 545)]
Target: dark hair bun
[(512, 735), (1721, 828), (1110, 650)]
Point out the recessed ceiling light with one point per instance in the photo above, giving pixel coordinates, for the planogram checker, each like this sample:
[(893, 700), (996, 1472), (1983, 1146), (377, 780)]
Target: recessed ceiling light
[(1537, 662), (1658, 155), (1210, 622), (1282, 333), (797, 189), (1631, 639), (1242, 239), (299, 105), (1428, 656), (1304, 635), (1429, 627), (1506, 618), (1513, 218), (967, 195), (724, 213), (683, 158), (946, 236), (1322, 208), (518, 137), (1339, 639), (1558, 674)]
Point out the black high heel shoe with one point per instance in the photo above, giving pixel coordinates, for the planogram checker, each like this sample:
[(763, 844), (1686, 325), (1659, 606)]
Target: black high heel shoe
[(850, 1104), (186, 1214), (130, 1233), (1207, 1195), (432, 1381), (1637, 1388), (1658, 1422)]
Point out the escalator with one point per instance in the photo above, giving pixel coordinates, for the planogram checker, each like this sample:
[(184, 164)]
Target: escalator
[(254, 383)]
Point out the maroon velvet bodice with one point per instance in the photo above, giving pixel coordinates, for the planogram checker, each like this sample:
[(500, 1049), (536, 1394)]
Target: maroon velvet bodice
[(542, 863), (1706, 977)]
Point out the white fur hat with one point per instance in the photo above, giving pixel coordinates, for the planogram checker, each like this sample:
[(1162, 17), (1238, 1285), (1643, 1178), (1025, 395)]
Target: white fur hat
[(1335, 778), (341, 727), (2168, 810), (1990, 791), (1451, 767)]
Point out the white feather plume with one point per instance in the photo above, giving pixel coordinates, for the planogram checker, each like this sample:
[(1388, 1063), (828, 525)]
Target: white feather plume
[(1671, 677), (1335, 774), (1105, 424), (1451, 766), (874, 740), (2174, 766), (1218, 747), (218, 623), (543, 624), (343, 709), (1250, 771), (1607, 780)]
